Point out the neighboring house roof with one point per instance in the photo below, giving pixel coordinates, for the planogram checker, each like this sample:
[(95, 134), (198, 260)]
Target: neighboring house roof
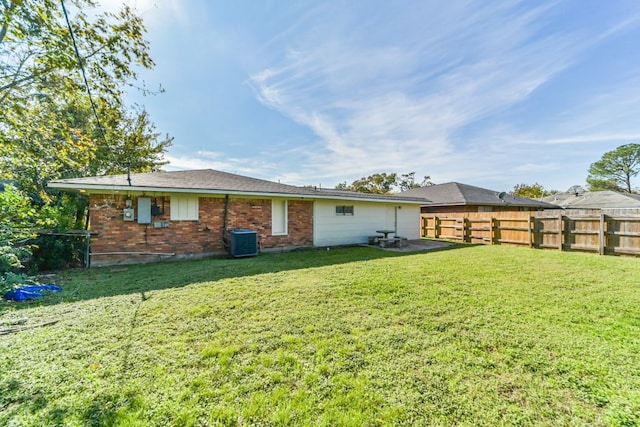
[(595, 200), (208, 181), (457, 194)]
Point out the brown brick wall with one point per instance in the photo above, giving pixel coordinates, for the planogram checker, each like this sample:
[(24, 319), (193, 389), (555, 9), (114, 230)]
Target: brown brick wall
[(192, 238)]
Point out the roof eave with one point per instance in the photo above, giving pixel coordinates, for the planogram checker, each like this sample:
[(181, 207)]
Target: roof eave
[(99, 189), (517, 205)]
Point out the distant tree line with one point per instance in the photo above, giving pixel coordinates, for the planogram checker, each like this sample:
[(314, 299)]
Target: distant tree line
[(385, 183), (531, 191), (613, 171)]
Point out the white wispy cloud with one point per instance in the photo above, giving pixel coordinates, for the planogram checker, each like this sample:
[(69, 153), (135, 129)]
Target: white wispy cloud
[(220, 161), (398, 104), (458, 90), (154, 12)]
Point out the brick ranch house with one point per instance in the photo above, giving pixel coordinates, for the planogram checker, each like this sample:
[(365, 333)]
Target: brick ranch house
[(189, 214)]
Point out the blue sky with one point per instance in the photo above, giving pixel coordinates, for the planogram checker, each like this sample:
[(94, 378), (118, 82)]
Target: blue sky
[(315, 93)]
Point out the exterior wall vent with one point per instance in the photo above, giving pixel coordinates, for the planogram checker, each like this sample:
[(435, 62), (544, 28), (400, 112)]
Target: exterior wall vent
[(244, 242)]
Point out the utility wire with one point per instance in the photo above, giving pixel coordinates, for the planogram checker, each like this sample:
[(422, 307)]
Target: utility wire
[(84, 74), (86, 84)]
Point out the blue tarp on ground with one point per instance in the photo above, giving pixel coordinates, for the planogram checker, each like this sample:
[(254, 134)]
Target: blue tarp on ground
[(29, 292)]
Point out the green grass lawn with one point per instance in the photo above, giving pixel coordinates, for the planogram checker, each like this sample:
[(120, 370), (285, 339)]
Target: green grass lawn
[(476, 335)]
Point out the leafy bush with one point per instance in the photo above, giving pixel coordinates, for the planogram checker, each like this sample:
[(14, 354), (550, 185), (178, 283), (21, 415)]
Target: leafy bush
[(22, 249), (17, 227), (10, 280), (20, 220), (55, 252), (10, 257), (10, 263)]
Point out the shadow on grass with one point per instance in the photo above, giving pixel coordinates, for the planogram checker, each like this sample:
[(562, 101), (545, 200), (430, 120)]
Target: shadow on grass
[(102, 282)]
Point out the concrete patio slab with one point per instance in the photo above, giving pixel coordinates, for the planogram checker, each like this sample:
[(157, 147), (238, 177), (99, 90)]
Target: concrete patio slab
[(419, 245)]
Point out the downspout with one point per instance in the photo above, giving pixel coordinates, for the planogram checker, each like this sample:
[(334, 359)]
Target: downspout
[(87, 216), (87, 251), (395, 221), (87, 248)]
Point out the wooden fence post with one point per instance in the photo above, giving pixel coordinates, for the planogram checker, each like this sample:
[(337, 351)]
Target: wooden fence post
[(466, 233), (601, 236), (436, 224), (530, 223), (491, 230), (560, 235)]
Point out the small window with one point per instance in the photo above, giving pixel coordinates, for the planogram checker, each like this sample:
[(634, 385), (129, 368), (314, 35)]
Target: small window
[(344, 210), (278, 217), (184, 208)]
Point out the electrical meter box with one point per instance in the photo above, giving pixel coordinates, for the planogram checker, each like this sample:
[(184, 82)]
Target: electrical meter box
[(144, 210), (128, 214)]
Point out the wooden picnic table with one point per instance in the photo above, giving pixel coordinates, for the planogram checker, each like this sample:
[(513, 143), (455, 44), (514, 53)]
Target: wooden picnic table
[(385, 232)]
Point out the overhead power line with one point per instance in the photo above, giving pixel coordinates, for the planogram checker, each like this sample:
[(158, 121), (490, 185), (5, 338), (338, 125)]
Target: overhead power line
[(84, 74)]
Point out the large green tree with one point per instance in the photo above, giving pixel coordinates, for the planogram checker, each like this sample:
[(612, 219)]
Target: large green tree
[(38, 57), (615, 169), (48, 126)]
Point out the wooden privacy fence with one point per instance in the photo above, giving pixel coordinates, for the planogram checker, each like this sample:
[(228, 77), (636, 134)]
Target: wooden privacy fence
[(593, 231)]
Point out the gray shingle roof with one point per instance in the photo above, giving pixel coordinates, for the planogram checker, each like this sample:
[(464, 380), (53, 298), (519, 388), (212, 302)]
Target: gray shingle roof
[(457, 194), (595, 200), (211, 181)]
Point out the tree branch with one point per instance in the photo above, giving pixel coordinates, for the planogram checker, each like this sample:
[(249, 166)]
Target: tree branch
[(10, 7), (4, 90)]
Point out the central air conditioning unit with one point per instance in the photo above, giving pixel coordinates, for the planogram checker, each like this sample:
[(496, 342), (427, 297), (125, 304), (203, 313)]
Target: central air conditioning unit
[(244, 242)]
